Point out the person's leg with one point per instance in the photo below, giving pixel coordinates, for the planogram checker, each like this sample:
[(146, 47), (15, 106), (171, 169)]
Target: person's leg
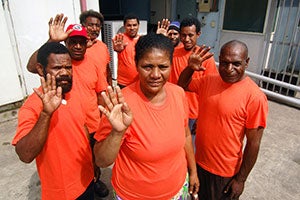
[(88, 193), (99, 187)]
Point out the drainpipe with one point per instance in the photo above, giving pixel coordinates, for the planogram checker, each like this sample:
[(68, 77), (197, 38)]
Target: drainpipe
[(83, 5)]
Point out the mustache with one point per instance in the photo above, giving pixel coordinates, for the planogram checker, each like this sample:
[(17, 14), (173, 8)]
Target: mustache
[(63, 78)]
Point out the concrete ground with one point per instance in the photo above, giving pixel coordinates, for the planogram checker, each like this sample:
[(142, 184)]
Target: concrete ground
[(276, 175)]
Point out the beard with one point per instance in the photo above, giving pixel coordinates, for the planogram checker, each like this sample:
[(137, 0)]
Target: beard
[(65, 82)]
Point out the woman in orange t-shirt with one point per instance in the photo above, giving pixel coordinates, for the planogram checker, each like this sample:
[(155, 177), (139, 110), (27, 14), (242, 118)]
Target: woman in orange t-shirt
[(145, 131)]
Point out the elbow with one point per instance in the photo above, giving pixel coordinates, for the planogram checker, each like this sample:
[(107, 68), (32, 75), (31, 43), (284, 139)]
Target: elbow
[(23, 156), (102, 163)]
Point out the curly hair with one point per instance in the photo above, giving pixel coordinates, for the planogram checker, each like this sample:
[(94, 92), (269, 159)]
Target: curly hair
[(190, 21), (90, 13)]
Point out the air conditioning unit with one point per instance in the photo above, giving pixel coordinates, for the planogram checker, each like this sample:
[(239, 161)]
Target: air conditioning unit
[(110, 29)]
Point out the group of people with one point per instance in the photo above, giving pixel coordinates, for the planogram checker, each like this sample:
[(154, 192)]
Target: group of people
[(168, 87)]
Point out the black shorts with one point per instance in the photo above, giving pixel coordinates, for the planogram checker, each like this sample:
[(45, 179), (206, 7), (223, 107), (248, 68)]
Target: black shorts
[(212, 186)]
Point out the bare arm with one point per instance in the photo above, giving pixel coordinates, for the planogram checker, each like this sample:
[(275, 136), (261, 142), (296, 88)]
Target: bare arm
[(194, 64), (56, 34), (120, 117), (249, 158), (189, 151), (32, 144)]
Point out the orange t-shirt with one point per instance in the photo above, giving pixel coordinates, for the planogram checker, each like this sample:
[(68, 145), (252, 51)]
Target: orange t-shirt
[(99, 52), (151, 163), (226, 110), (91, 80), (180, 62), (65, 163), (127, 72)]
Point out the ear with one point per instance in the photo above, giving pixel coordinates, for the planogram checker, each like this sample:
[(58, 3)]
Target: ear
[(198, 34), (247, 61), (39, 69)]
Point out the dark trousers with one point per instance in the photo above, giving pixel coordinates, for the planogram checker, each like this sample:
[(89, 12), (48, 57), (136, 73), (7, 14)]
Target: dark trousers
[(88, 193), (212, 186)]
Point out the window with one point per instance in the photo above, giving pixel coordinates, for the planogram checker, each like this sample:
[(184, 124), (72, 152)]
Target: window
[(248, 16)]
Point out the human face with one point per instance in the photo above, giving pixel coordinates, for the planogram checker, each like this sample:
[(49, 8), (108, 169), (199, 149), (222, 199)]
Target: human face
[(233, 62), (76, 46), (174, 37), (60, 66), (189, 36), (131, 27), (154, 71), (93, 27)]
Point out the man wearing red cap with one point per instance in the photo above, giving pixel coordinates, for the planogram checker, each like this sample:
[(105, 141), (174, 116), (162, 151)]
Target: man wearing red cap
[(88, 77)]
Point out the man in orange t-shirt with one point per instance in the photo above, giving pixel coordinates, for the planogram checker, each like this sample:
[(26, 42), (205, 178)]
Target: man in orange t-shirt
[(124, 44), (88, 76), (232, 107), (51, 130), (96, 49), (190, 31)]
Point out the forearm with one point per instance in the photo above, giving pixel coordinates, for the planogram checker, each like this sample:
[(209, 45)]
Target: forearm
[(106, 151), (31, 145), (189, 151), (185, 78)]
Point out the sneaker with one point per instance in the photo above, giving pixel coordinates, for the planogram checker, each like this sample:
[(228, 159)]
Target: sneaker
[(101, 189)]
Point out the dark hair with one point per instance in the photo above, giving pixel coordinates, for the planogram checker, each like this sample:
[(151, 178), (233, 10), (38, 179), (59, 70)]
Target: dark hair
[(46, 49), (150, 41), (190, 21), (90, 13), (130, 16)]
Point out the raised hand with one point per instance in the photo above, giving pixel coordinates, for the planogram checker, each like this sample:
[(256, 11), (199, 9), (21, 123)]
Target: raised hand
[(56, 28), (118, 42), (51, 95), (117, 111), (162, 27), (198, 56)]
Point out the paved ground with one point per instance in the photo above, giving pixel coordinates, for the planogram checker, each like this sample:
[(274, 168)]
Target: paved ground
[(276, 175)]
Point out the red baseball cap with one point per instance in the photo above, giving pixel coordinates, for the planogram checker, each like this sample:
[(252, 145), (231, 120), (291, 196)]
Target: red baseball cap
[(78, 30)]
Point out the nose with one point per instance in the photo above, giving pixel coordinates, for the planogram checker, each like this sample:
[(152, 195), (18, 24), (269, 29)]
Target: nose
[(155, 73)]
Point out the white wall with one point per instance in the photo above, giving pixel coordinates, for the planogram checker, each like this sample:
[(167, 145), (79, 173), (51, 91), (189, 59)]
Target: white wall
[(24, 29)]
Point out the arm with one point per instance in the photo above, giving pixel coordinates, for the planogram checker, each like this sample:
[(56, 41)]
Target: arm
[(56, 34), (120, 117), (189, 151), (194, 64), (32, 144), (249, 158)]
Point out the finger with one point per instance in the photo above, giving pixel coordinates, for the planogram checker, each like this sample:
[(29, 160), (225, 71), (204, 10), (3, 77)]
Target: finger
[(158, 24), (64, 21), (50, 21), (59, 92), (107, 101), (60, 18), (44, 84), (56, 19), (112, 95), (204, 51), (38, 93), (126, 109), (120, 95), (53, 83), (104, 111)]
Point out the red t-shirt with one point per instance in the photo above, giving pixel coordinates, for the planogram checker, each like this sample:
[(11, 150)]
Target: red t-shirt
[(65, 163), (225, 111), (151, 163), (180, 62), (127, 72), (99, 52), (90, 80)]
